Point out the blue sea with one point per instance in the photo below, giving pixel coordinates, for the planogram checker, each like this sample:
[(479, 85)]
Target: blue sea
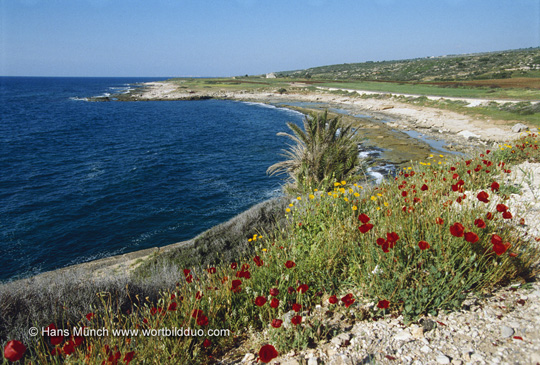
[(84, 180)]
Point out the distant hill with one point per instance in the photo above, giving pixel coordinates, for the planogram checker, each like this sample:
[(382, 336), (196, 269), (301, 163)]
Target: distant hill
[(478, 66)]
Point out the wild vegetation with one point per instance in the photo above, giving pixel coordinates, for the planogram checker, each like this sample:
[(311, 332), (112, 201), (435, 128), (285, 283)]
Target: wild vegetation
[(412, 245), (522, 63)]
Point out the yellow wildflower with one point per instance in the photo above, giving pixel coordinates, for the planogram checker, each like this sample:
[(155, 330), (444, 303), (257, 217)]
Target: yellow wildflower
[(378, 208), (343, 182), (299, 198), (346, 199), (379, 194), (373, 198), (311, 196), (291, 205), (441, 156), (288, 210), (337, 184), (354, 207), (356, 195), (264, 249), (385, 204)]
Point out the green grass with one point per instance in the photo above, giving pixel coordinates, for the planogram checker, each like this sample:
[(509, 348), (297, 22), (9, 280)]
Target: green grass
[(421, 89)]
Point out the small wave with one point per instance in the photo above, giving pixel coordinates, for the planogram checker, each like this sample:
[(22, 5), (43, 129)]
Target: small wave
[(76, 98)]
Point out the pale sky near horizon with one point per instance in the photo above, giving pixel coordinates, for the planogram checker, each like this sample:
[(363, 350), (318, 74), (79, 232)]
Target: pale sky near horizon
[(164, 38)]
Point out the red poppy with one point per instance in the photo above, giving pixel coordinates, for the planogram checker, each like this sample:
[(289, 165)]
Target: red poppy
[(186, 272), (274, 303), (78, 340), (290, 264), (424, 187), (211, 270), (499, 248), (202, 320), (291, 290), (348, 300), (198, 295), (423, 245), (224, 279), (471, 237), (274, 292), (483, 197), (267, 353), (479, 223), (69, 347), (55, 335), (296, 320), (196, 313), (207, 343), (439, 220), (302, 288), (495, 186), (381, 241), (512, 254), (333, 299), (89, 316), (129, 356), (260, 301), (14, 350), (392, 237), (276, 323), (457, 230), (404, 193), (501, 208), (364, 228), (234, 265), (258, 261), (383, 304), (189, 278), (243, 274), (236, 286), (172, 306), (489, 216), (385, 246), (507, 215), (363, 218), (296, 307)]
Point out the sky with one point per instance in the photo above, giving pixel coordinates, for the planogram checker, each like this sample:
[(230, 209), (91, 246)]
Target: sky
[(166, 38)]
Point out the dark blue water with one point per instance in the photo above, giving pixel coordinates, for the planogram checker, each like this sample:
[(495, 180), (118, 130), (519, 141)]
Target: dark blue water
[(83, 180)]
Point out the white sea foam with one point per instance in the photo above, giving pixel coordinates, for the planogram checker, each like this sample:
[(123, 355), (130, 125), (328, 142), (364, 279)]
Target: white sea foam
[(376, 175)]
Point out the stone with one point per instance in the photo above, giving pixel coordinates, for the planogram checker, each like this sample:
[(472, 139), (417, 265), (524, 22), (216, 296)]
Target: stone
[(248, 357), (403, 335), (427, 324), (313, 361), (341, 339), (520, 127), (417, 332), (468, 135), (477, 357), (442, 359), (506, 331)]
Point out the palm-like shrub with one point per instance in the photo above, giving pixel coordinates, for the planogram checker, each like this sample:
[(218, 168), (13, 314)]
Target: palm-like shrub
[(325, 151)]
